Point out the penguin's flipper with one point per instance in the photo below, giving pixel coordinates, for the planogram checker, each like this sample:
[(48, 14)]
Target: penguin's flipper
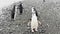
[(28, 23)]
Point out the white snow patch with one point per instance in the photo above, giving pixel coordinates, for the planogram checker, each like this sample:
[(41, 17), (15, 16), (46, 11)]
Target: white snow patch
[(7, 2)]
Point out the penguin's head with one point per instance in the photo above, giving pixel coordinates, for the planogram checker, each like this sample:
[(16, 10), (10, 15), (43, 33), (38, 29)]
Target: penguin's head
[(33, 11), (16, 6)]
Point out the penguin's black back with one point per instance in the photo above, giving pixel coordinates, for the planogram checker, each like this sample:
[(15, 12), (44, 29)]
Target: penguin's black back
[(13, 12), (36, 12)]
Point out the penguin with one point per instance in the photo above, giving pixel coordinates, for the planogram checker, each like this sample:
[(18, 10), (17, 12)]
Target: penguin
[(20, 7), (13, 12), (34, 21)]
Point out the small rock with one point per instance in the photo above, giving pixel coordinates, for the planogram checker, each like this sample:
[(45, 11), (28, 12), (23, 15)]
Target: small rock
[(47, 25), (1, 29), (17, 26)]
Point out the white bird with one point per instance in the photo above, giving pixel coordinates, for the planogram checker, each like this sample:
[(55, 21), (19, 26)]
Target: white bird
[(34, 21)]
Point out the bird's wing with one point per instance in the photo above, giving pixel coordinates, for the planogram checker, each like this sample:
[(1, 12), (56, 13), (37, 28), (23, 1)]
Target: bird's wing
[(29, 23)]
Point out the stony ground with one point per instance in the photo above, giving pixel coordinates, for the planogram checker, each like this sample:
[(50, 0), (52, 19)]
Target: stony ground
[(49, 15)]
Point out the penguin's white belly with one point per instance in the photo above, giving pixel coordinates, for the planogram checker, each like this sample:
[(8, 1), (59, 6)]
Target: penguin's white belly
[(34, 22)]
